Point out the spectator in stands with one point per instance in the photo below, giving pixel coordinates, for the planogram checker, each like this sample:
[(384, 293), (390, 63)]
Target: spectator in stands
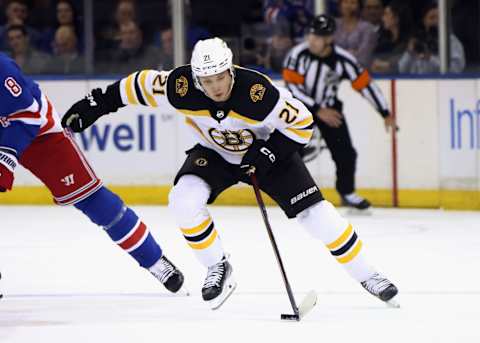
[(132, 54), (66, 58), (372, 12), (353, 33), (166, 41), (422, 55), (125, 12), (193, 31), (16, 13), (65, 16), (278, 47), (65, 13), (28, 58), (393, 37), (297, 14)]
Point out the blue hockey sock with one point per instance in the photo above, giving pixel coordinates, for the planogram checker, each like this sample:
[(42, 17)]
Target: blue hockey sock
[(106, 209)]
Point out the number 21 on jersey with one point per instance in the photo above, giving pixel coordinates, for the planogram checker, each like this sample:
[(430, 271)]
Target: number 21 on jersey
[(158, 84), (289, 114)]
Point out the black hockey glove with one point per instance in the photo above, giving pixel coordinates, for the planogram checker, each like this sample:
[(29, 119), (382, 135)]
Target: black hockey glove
[(96, 104), (259, 159)]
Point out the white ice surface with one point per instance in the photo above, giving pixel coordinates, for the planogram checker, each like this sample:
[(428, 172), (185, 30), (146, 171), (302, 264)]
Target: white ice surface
[(65, 281)]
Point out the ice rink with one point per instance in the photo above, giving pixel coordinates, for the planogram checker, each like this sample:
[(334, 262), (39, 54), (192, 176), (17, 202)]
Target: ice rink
[(65, 281)]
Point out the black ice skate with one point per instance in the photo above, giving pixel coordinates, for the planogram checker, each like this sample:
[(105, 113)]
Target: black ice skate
[(167, 274), (219, 284), (382, 288), (355, 201)]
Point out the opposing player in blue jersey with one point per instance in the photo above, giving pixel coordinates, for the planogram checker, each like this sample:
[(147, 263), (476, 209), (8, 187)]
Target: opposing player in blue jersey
[(31, 135)]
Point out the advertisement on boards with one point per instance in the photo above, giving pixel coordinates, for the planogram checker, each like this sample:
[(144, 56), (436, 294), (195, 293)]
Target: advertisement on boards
[(135, 146), (459, 119)]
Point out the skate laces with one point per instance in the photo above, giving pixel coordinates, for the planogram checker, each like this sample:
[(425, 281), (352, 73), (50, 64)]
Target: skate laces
[(164, 271), (376, 284), (214, 275)]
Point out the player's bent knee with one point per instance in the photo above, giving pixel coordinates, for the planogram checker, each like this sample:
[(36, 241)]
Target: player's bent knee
[(189, 196), (102, 207), (322, 221)]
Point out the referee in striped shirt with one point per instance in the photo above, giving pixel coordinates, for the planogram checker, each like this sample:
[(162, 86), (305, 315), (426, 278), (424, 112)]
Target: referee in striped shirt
[(313, 71)]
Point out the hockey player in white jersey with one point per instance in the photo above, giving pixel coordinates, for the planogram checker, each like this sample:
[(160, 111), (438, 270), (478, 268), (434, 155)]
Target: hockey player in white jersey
[(243, 124)]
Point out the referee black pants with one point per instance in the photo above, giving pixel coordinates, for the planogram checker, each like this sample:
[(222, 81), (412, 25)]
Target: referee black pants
[(343, 154)]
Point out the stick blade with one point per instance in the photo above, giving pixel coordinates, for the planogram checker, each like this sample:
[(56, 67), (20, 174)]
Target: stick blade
[(308, 303), (292, 317)]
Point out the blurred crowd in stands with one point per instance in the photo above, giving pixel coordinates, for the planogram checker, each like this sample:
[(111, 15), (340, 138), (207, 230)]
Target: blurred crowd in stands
[(386, 36)]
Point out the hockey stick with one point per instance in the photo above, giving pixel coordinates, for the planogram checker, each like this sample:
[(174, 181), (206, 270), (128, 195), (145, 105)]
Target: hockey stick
[(311, 299)]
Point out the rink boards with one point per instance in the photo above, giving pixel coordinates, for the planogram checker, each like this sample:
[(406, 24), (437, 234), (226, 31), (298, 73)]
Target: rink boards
[(139, 149)]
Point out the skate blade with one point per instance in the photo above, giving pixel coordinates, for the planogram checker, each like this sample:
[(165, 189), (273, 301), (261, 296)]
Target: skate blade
[(392, 303), (183, 292), (351, 211), (307, 304), (220, 300)]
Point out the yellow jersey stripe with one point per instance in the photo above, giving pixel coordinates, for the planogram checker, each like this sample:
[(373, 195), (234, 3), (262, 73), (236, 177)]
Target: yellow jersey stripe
[(130, 90), (351, 255), (204, 113), (307, 134), (150, 99), (205, 244), (190, 122), (342, 239), (197, 229), (236, 115), (306, 122)]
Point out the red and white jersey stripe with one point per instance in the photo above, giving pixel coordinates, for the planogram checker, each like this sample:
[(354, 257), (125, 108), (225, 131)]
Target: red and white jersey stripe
[(134, 238), (41, 114)]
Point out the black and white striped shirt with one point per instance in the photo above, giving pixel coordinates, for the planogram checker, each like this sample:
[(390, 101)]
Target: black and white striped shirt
[(315, 80)]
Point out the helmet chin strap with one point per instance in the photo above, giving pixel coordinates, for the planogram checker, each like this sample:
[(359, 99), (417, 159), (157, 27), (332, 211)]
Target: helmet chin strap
[(232, 74)]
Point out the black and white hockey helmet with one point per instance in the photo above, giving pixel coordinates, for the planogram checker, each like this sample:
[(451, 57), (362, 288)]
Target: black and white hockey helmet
[(322, 25)]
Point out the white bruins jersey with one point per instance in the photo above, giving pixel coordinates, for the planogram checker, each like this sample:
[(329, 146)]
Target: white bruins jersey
[(255, 109)]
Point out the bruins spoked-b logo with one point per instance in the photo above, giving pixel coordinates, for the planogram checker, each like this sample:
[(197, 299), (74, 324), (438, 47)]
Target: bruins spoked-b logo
[(256, 92), (181, 86), (233, 141), (201, 162)]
